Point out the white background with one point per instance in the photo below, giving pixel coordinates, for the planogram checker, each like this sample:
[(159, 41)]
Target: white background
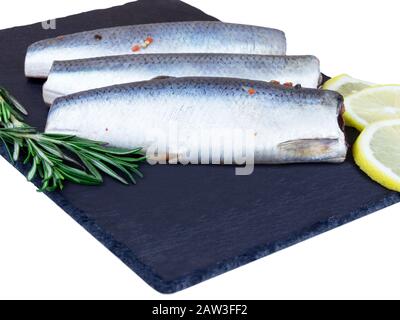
[(45, 254)]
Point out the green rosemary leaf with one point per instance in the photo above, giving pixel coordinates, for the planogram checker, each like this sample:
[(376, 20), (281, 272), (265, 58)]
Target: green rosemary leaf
[(132, 161), (39, 152), (102, 167), (48, 171), (44, 186), (125, 171), (92, 169), (20, 132), (16, 151), (5, 112), (137, 172), (49, 189), (78, 176), (39, 166), (57, 153), (55, 138), (131, 166), (29, 155), (116, 151), (32, 172), (82, 142), (58, 175), (12, 101), (54, 160), (52, 149)]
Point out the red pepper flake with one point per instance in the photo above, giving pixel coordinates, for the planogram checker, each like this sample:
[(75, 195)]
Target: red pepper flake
[(60, 37), (136, 48), (149, 40), (288, 84), (251, 91), (275, 82)]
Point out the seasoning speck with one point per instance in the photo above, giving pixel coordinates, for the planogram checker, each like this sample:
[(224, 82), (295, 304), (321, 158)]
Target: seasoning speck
[(251, 91), (98, 37), (149, 40), (136, 48)]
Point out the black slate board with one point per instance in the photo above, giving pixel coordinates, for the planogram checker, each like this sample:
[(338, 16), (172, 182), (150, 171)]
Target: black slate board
[(183, 225)]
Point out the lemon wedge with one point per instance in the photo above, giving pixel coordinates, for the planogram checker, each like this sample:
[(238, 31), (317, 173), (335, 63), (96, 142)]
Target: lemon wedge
[(377, 153), (346, 85), (371, 105)]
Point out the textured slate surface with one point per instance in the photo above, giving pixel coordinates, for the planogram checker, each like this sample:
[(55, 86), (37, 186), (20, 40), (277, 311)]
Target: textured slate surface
[(182, 225)]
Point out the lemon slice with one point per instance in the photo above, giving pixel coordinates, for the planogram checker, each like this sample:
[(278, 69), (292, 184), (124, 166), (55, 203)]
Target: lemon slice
[(373, 104), (377, 153), (346, 85)]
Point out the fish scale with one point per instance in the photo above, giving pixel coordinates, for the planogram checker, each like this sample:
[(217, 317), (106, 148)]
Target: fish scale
[(172, 37), (288, 125)]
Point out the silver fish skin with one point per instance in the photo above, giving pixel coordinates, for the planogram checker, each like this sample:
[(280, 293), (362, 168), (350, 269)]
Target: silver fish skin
[(288, 125), (172, 37), (67, 77)]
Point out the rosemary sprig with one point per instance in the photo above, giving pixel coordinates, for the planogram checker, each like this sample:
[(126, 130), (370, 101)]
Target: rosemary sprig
[(57, 158)]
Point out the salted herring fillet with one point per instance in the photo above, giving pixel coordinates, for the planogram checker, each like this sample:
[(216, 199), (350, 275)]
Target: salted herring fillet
[(67, 77), (281, 124), (172, 37)]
